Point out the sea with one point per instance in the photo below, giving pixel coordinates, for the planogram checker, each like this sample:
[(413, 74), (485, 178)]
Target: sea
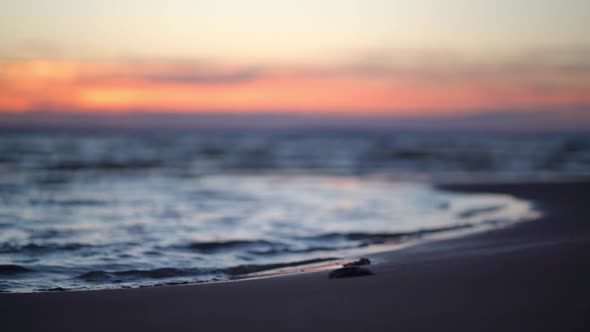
[(102, 210)]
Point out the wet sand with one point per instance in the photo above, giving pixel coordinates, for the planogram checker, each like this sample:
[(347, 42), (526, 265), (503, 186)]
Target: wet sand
[(531, 277)]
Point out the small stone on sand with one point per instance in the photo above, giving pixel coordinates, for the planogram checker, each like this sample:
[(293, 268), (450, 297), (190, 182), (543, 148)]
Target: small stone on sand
[(350, 271), (362, 261)]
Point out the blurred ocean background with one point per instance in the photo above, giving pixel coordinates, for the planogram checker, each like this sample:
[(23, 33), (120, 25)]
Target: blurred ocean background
[(129, 209)]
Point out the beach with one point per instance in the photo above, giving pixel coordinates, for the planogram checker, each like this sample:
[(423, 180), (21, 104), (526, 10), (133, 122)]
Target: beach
[(531, 276), (294, 166)]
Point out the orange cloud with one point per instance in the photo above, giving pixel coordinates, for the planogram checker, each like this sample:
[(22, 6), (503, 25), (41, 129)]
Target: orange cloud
[(194, 87)]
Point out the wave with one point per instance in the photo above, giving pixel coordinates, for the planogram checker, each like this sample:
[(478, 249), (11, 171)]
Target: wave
[(361, 151), (11, 269), (8, 248), (477, 211), (300, 251), (215, 246), (330, 242), (260, 247), (108, 165), (100, 276), (160, 273), (366, 239), (241, 270), (69, 202)]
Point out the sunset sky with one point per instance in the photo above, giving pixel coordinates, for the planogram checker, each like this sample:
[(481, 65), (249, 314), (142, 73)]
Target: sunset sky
[(382, 57)]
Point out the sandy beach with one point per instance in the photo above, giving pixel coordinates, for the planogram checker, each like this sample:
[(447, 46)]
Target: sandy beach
[(530, 277), (294, 165)]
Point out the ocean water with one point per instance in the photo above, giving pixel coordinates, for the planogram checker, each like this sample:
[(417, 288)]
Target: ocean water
[(105, 210)]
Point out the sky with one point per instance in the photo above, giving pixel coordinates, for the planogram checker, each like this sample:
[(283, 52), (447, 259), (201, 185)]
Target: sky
[(338, 57)]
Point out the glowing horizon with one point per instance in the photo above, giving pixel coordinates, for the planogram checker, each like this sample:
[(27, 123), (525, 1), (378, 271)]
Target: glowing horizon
[(347, 57), (186, 86)]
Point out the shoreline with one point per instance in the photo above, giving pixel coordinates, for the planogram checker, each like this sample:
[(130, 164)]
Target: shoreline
[(532, 275)]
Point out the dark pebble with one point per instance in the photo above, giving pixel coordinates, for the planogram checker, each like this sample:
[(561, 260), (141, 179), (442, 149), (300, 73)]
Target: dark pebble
[(362, 261), (349, 272)]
